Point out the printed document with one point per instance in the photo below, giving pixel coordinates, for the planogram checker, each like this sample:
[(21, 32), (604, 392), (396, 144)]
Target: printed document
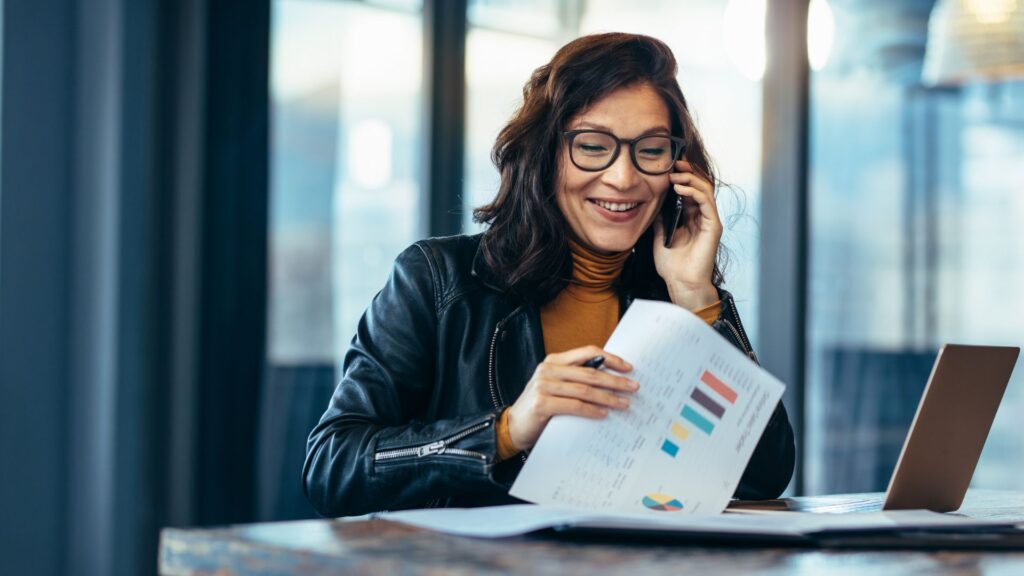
[(684, 441), (516, 519)]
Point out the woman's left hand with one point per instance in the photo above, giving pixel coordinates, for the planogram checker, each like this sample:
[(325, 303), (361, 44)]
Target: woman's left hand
[(687, 266)]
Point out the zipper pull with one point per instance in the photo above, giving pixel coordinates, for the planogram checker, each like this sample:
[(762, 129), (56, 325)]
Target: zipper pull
[(433, 448)]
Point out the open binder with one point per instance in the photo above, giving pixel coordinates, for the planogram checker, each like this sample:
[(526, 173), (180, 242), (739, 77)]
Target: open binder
[(905, 529)]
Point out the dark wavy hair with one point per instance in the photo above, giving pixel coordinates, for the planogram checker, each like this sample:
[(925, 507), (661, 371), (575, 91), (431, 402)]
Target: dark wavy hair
[(525, 242)]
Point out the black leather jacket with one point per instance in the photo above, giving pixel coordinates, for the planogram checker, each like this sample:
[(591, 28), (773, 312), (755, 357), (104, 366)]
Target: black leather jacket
[(437, 356)]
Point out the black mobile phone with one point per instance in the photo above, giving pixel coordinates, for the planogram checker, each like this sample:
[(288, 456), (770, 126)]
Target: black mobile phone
[(671, 211)]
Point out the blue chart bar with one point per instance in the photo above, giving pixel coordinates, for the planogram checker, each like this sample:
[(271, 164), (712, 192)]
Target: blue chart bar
[(697, 420), (669, 448), (704, 400)]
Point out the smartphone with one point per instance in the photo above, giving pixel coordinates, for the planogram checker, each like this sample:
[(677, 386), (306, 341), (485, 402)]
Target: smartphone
[(671, 211)]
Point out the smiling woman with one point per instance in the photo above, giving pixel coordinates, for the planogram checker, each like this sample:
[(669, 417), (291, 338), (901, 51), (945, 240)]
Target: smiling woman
[(608, 205), (475, 342)]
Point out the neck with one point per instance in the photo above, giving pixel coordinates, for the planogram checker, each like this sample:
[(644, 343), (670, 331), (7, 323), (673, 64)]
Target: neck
[(593, 270)]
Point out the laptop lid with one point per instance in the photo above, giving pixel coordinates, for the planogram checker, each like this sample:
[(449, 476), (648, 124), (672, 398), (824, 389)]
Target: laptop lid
[(950, 427)]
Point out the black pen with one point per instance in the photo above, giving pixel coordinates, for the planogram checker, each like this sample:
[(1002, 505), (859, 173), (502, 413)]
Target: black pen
[(594, 362)]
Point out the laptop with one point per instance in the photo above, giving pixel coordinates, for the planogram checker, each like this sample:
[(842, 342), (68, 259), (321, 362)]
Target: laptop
[(943, 445)]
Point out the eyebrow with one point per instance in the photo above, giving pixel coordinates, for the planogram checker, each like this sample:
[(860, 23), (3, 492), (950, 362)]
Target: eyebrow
[(596, 126)]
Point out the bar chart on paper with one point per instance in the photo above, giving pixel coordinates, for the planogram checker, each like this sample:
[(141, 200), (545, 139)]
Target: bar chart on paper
[(705, 406), (685, 439)]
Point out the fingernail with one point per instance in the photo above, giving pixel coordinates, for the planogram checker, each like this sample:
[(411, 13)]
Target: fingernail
[(623, 402), (636, 385)]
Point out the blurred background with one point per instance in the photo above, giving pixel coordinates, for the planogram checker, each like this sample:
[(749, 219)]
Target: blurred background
[(198, 199)]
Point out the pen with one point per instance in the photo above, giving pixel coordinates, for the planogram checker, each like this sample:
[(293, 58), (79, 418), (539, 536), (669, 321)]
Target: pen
[(594, 362)]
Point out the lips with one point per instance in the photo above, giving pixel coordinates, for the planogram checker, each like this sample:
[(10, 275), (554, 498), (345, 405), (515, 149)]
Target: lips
[(615, 212), (615, 206)]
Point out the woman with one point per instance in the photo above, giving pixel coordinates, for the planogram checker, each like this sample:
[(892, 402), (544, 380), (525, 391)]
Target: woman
[(475, 342)]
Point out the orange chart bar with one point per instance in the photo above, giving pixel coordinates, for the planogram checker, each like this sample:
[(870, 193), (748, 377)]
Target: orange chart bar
[(718, 386)]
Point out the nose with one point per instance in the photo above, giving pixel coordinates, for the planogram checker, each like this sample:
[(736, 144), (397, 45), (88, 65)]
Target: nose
[(621, 175)]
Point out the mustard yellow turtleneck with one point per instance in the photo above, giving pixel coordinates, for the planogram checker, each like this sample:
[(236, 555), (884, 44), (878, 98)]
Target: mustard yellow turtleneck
[(586, 312)]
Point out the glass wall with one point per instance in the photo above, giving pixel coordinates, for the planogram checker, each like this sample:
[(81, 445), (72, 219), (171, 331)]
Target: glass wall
[(917, 212), (346, 141), (916, 202), (505, 42), (720, 49), (345, 174)]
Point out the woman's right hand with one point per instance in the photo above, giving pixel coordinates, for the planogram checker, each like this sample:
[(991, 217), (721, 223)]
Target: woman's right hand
[(560, 385)]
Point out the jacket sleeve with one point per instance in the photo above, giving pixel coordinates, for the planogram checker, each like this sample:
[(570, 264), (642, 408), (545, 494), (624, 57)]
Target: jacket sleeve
[(370, 451), (771, 465)]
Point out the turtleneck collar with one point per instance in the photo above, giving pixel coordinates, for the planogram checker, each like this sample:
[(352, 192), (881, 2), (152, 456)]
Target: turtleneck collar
[(593, 273)]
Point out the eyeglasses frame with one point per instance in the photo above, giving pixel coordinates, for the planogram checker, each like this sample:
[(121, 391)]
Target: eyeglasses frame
[(570, 136)]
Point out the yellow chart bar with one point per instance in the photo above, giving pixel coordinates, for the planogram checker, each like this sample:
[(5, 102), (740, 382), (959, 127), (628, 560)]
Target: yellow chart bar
[(679, 432)]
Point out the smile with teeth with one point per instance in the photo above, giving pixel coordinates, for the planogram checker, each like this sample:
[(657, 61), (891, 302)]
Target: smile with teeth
[(616, 206)]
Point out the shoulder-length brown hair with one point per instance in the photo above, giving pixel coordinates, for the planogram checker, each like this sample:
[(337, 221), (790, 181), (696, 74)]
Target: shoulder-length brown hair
[(525, 242)]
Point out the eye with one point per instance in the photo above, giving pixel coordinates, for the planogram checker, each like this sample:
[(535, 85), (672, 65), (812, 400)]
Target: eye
[(652, 151), (593, 144), (653, 148), (591, 148)]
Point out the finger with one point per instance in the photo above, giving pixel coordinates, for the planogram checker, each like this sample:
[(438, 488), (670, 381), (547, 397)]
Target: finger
[(684, 166), (586, 393), (570, 406), (574, 356), (580, 355), (591, 377), (691, 215), (616, 363), (690, 179), (698, 196), (708, 209)]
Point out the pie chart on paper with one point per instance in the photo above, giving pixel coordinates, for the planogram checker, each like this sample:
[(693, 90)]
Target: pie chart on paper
[(662, 502)]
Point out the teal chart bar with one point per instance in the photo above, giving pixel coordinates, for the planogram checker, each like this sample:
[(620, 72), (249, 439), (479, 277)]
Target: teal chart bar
[(697, 420), (669, 448)]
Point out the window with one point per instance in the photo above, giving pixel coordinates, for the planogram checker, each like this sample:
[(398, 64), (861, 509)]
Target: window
[(345, 175), (505, 42), (916, 218)]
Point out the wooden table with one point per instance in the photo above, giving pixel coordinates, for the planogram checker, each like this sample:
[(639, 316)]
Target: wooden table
[(382, 547)]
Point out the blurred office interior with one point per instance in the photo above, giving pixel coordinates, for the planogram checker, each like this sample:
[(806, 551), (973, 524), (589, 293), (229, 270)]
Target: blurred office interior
[(199, 198)]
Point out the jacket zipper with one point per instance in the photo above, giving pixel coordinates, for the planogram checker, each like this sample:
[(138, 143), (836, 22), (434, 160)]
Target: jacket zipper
[(436, 448), (738, 332), (491, 378), (490, 367)]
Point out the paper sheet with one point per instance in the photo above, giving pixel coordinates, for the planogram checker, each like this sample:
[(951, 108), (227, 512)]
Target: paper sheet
[(505, 521), (684, 441)]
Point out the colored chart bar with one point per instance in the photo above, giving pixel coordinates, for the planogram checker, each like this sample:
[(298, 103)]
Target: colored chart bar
[(697, 420), (679, 431), (718, 386), (704, 400), (669, 448)]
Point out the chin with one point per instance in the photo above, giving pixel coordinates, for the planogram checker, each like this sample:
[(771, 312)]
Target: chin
[(613, 243)]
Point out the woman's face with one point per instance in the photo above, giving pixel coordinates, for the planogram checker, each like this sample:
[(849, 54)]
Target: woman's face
[(609, 210)]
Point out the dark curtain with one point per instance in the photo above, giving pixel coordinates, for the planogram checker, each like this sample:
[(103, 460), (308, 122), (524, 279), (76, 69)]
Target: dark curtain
[(233, 258), (133, 215)]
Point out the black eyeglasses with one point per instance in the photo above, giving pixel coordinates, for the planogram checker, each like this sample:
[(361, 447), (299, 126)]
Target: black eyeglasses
[(595, 150)]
